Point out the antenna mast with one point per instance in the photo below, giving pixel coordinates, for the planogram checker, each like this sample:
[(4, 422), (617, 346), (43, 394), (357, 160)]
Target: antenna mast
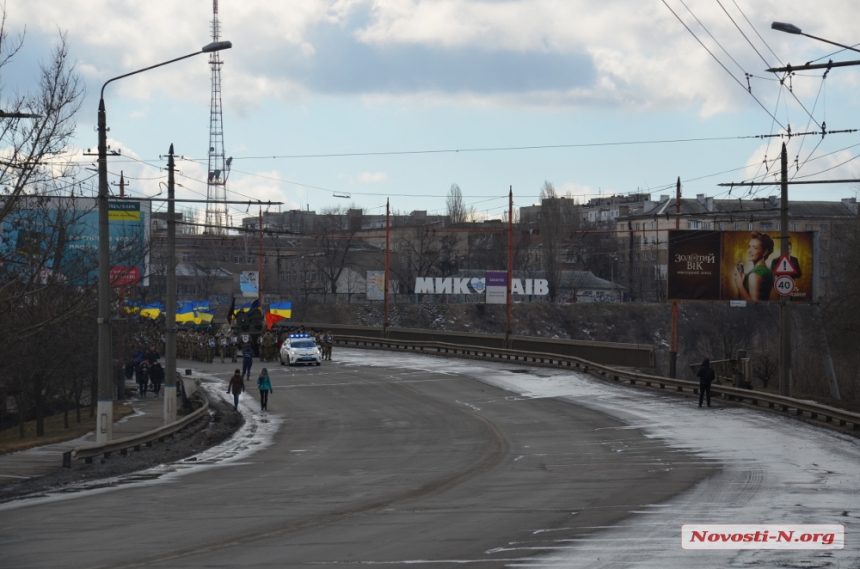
[(216, 186)]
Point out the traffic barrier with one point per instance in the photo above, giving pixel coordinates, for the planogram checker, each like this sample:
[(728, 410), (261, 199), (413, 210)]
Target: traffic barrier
[(816, 413), (640, 356), (122, 445)]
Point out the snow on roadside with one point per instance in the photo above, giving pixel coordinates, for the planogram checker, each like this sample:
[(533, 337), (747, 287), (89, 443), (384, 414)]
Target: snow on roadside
[(774, 470)]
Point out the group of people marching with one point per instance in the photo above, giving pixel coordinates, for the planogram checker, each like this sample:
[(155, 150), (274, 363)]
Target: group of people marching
[(205, 346), (146, 371)]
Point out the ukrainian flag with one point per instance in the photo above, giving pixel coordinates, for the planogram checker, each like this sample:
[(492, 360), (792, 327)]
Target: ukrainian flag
[(185, 312), (202, 316), (249, 307), (283, 309), (151, 310)]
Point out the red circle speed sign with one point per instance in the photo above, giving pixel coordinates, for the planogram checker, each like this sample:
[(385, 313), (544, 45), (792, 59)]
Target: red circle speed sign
[(784, 285)]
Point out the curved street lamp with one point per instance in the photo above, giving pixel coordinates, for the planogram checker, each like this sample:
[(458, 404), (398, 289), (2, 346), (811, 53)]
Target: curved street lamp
[(104, 427), (792, 29)]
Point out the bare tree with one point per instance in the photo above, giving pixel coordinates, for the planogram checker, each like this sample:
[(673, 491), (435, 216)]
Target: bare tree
[(554, 225), (458, 212), (28, 142), (335, 239)]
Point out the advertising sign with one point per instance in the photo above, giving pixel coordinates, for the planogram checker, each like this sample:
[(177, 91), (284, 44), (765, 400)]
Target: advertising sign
[(737, 265), (497, 287), (375, 285), (66, 233), (249, 284)]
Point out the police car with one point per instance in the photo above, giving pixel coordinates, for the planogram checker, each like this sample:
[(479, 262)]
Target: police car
[(300, 349)]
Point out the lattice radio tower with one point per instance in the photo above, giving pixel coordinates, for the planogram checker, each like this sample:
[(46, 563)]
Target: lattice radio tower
[(216, 187)]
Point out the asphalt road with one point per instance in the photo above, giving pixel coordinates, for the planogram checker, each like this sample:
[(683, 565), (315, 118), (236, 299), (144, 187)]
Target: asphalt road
[(370, 466)]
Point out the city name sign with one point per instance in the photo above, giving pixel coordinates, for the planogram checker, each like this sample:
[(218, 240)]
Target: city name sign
[(477, 285)]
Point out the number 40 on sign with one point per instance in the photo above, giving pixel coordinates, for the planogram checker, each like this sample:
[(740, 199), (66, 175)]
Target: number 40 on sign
[(784, 285)]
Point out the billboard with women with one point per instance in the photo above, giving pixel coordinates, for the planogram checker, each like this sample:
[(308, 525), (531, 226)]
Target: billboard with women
[(736, 265)]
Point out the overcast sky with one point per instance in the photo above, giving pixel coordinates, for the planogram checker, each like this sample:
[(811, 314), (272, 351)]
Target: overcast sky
[(311, 77)]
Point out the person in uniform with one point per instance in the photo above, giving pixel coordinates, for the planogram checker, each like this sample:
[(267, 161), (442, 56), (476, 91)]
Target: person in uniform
[(210, 348), (328, 342), (222, 345), (267, 346), (234, 346)]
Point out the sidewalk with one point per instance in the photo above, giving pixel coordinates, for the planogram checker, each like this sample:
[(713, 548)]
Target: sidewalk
[(39, 461)]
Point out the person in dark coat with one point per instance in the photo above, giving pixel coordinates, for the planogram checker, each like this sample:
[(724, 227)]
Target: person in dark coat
[(156, 376), (236, 387), (706, 376), (141, 376)]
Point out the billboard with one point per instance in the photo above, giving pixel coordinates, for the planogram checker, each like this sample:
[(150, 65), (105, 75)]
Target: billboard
[(736, 265), (249, 283), (63, 234), (375, 285), (496, 287)]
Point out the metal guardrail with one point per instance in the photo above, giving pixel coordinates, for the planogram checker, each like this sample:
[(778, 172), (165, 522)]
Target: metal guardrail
[(122, 445), (822, 414), (609, 353)]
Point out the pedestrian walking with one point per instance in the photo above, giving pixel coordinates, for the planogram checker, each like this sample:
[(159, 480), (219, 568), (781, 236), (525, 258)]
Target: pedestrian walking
[(706, 376), (141, 376), (156, 376), (264, 383), (236, 387), (247, 360)]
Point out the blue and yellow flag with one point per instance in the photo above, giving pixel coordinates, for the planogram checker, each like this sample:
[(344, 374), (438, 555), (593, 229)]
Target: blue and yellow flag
[(151, 310), (283, 309), (185, 312), (201, 316)]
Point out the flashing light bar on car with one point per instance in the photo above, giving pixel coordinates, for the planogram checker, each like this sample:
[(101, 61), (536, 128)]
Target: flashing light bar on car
[(299, 335)]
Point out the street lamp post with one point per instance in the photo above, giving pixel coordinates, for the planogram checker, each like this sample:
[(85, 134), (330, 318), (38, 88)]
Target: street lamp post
[(104, 428), (792, 29)]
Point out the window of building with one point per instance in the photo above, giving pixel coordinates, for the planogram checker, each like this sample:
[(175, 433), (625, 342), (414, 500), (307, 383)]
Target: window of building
[(653, 225), (736, 226), (794, 227), (694, 225), (186, 256), (653, 240), (779, 227), (706, 225), (809, 227), (637, 226), (750, 226), (766, 226), (237, 259), (637, 256), (722, 226)]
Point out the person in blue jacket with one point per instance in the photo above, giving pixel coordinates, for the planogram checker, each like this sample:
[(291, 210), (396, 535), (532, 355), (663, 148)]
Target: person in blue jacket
[(265, 386)]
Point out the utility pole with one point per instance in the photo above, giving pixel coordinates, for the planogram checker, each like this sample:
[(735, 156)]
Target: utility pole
[(386, 322), (104, 410), (170, 301), (509, 329), (260, 264), (121, 184), (673, 353), (785, 387)]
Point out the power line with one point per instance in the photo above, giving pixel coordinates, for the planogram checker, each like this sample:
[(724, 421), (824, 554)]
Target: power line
[(720, 63), (756, 31)]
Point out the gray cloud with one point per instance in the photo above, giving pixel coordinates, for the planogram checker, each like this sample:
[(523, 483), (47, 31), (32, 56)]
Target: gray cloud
[(342, 65)]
